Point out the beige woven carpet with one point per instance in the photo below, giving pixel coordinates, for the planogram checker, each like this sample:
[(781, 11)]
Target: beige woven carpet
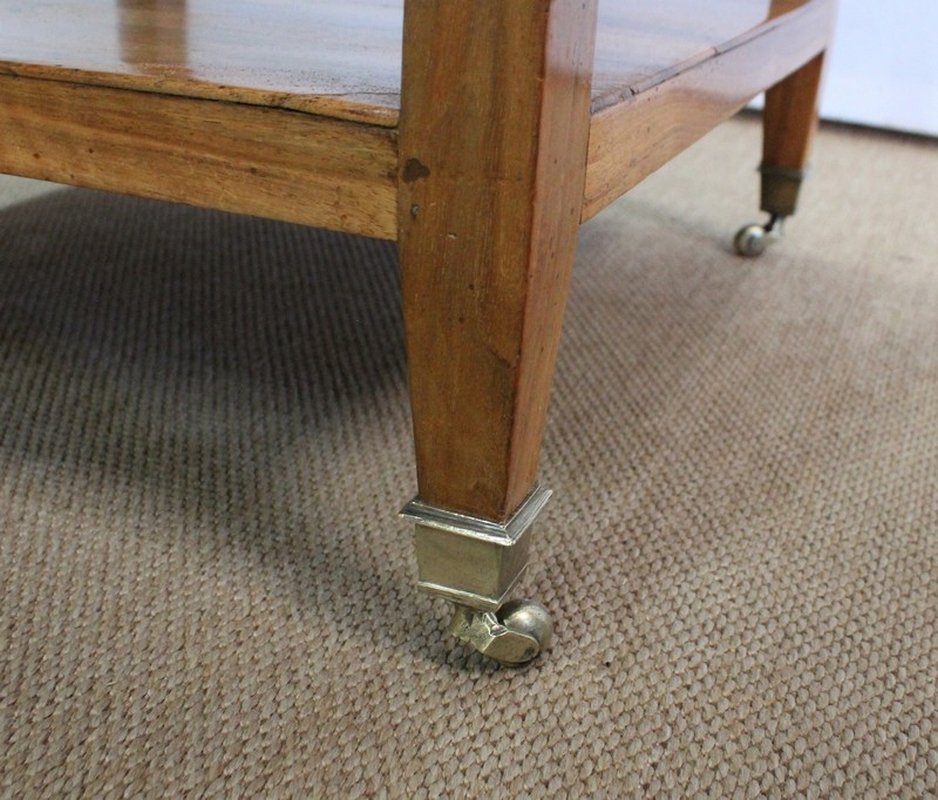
[(204, 591)]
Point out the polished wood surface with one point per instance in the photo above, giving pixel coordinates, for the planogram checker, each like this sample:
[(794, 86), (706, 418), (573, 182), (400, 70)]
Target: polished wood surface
[(640, 44), (493, 142), (339, 59), (267, 162), (632, 138), (666, 72)]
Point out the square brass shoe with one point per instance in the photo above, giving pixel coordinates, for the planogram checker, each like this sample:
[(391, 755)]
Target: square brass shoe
[(472, 561), (780, 188)]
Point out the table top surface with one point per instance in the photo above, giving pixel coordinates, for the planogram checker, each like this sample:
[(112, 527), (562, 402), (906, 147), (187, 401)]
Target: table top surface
[(340, 59)]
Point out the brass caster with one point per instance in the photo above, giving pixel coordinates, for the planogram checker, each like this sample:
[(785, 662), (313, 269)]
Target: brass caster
[(513, 635), (751, 240)]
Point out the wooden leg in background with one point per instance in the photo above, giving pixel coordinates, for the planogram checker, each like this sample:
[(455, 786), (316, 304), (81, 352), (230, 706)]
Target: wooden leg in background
[(789, 122), (493, 140)]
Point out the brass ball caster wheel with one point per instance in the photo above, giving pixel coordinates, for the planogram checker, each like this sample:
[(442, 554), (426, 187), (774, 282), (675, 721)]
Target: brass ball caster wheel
[(751, 240), (513, 635)]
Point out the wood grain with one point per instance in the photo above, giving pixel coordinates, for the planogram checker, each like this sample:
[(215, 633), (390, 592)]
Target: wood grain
[(790, 117), (266, 162), (642, 44), (633, 138), (493, 149), (338, 59)]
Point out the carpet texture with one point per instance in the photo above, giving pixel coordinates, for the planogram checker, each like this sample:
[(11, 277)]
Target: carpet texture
[(204, 591)]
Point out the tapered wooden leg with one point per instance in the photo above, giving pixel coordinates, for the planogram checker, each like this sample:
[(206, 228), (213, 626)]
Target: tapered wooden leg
[(790, 120), (494, 128)]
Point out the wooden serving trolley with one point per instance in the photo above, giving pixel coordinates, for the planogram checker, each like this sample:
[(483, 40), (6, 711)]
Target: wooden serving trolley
[(477, 133)]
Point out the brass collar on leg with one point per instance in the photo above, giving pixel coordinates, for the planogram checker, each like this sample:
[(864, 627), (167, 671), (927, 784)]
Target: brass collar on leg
[(472, 561)]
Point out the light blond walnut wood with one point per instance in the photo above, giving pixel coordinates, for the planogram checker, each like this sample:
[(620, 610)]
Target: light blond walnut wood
[(642, 44), (791, 117), (266, 162), (494, 131), (337, 59), (633, 138), (665, 73), (249, 108), (789, 121)]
